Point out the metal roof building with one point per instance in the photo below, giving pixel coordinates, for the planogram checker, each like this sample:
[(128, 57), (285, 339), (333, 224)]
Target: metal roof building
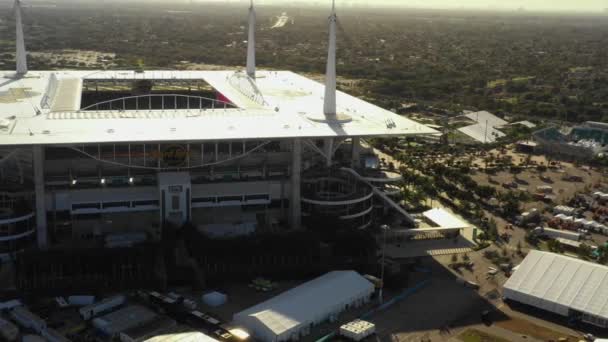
[(290, 315), (562, 285)]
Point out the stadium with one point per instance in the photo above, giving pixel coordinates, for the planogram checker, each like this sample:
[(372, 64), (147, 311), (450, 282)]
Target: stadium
[(582, 142), (112, 157)]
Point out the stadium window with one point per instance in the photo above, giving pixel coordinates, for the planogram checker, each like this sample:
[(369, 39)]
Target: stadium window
[(85, 206), (145, 203)]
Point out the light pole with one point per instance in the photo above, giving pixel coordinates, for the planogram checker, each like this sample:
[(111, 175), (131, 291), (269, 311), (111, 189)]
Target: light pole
[(384, 228)]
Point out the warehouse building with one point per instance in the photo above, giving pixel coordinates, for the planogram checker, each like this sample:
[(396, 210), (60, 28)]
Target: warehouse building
[(563, 285), (291, 314)]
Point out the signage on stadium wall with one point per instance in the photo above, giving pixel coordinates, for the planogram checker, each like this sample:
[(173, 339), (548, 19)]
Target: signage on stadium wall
[(174, 155)]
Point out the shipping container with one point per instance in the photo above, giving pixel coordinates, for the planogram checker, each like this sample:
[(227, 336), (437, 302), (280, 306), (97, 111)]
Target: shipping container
[(105, 305), (555, 233), (52, 335), (27, 319)]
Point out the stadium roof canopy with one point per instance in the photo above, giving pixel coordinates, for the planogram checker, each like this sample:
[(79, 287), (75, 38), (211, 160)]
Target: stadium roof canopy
[(558, 284), (44, 107), (291, 313)]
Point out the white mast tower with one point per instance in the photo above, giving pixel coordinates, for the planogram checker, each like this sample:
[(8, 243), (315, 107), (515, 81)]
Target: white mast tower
[(251, 43), (21, 54), (329, 106)]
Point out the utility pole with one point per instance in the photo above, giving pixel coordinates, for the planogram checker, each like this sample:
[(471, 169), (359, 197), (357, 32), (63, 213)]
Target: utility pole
[(384, 228)]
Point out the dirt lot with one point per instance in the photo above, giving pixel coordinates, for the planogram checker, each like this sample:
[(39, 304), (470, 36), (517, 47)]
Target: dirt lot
[(528, 180), (474, 335)]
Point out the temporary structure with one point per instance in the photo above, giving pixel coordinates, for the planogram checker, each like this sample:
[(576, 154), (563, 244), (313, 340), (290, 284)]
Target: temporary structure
[(357, 330), (291, 314), (562, 285)]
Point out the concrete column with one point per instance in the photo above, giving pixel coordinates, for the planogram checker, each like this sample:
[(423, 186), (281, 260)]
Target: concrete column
[(356, 151), (41, 225), (295, 201), (329, 150)]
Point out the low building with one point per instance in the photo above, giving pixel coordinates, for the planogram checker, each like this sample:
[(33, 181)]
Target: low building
[(562, 285), (293, 313)]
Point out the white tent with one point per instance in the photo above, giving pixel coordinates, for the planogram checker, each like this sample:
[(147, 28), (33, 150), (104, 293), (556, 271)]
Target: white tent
[(444, 218), (561, 284), (484, 117), (291, 314), (482, 133)]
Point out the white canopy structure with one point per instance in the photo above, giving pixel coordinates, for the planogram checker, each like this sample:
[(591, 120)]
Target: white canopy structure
[(482, 133), (485, 130), (484, 117), (444, 218), (291, 314), (562, 285)]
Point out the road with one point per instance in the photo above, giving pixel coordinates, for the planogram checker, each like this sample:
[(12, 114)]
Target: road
[(281, 21)]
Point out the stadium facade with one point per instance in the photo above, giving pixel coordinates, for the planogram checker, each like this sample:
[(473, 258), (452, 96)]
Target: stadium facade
[(89, 154), (582, 142)]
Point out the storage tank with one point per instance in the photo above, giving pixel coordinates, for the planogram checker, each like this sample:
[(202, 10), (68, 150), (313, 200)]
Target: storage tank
[(107, 304)]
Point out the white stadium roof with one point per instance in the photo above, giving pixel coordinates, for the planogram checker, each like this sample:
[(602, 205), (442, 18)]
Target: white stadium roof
[(558, 284), (288, 315), (43, 107)]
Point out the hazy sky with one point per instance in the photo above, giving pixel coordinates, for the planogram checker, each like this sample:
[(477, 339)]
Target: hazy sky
[(544, 5)]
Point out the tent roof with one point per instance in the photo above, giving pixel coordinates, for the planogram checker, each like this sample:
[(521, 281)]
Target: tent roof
[(304, 303), (444, 218), (484, 117), (481, 133), (562, 280)]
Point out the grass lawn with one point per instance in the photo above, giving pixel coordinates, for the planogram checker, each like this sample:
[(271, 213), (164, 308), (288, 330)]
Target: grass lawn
[(525, 327), (473, 335)]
